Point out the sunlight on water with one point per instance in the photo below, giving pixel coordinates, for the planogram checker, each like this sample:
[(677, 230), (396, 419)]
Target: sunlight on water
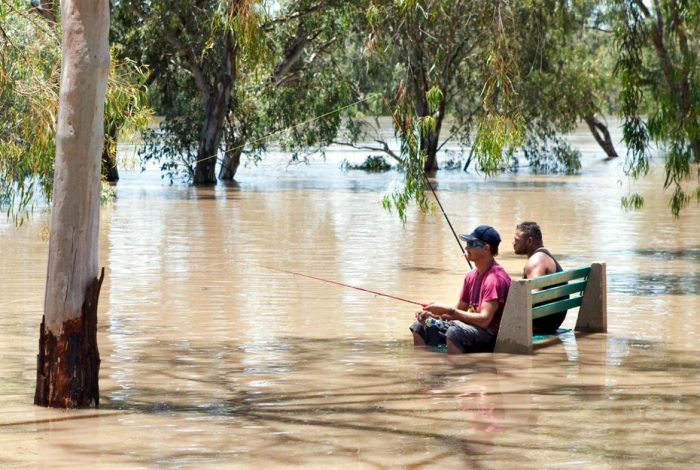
[(211, 360)]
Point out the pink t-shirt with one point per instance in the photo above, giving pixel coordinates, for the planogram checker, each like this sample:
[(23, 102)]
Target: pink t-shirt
[(478, 288)]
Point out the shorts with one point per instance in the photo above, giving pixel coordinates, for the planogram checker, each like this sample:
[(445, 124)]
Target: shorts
[(467, 338)]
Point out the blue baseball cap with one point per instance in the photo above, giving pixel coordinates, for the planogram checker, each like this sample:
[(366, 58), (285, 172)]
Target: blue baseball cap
[(483, 233)]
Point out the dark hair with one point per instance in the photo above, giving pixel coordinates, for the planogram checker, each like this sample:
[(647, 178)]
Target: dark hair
[(531, 229), (494, 249)]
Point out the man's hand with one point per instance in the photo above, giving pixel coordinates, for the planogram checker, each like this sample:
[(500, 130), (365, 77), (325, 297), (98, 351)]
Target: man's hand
[(421, 316), (440, 310)]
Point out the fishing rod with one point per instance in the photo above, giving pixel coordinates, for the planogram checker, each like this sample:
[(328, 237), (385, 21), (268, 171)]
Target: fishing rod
[(344, 285), (398, 125), (447, 219)]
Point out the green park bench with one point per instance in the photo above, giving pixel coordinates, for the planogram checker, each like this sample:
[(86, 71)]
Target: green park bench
[(533, 298)]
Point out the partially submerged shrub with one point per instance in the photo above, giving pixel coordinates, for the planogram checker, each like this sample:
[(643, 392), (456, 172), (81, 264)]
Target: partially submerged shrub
[(373, 163)]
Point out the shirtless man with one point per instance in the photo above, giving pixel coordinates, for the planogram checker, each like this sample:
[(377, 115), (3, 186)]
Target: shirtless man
[(528, 241)]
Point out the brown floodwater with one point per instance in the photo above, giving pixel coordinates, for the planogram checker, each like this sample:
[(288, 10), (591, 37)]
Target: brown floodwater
[(210, 360)]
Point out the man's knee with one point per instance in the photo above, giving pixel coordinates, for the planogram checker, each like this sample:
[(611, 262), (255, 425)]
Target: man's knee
[(417, 339), (452, 348)]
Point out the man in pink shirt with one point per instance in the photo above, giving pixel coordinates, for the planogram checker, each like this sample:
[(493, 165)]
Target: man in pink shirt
[(472, 325)]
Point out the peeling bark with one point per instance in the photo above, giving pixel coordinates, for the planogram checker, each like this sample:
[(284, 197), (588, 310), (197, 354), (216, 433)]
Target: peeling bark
[(68, 365)]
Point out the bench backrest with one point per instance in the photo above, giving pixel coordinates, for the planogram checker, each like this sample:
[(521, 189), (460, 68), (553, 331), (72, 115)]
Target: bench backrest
[(547, 288), (523, 305)]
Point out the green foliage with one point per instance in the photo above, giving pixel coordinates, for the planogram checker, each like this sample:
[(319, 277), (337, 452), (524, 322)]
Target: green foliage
[(632, 202), (496, 136), (434, 58), (551, 154), (434, 96), (565, 54), (284, 73), (29, 85), (408, 129), (373, 164), (657, 66), (28, 106), (127, 111), (515, 76), (173, 146), (108, 193)]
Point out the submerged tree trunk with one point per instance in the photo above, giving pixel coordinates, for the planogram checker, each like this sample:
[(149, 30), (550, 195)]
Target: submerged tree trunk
[(601, 135), (210, 138), (68, 360), (109, 158), (429, 144), (232, 160), (215, 102)]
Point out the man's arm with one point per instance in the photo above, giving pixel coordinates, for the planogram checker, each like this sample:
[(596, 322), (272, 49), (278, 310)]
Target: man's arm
[(422, 315), (481, 319), (539, 265)]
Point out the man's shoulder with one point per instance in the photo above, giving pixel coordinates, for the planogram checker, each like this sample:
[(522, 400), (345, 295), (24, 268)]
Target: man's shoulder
[(538, 257), (471, 275), (499, 274), (541, 258)]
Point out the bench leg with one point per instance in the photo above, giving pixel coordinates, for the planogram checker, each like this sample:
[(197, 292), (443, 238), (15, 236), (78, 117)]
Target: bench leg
[(593, 314), (515, 333)]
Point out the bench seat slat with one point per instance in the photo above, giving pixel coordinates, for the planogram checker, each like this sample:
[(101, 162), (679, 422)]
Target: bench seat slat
[(556, 307), (556, 292), (558, 278)]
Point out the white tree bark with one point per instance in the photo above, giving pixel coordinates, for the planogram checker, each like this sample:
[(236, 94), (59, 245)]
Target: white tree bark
[(76, 195), (73, 243)]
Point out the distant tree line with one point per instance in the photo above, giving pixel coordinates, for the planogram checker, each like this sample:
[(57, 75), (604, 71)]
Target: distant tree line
[(230, 77)]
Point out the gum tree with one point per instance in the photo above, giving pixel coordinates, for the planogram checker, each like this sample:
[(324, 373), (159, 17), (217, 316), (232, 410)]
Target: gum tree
[(658, 53), (68, 361), (457, 55), (254, 67)]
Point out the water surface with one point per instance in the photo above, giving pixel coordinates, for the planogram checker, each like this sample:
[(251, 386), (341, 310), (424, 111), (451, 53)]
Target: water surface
[(209, 360)]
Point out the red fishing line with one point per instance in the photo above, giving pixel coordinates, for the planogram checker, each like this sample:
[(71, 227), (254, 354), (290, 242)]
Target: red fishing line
[(345, 285)]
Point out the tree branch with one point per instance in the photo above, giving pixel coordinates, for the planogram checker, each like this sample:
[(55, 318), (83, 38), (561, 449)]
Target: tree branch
[(598, 28), (186, 53), (385, 148), (295, 75), (640, 4), (657, 37), (46, 9), (294, 16)]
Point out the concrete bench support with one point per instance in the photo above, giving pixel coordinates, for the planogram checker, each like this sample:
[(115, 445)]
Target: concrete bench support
[(593, 313), (515, 333)]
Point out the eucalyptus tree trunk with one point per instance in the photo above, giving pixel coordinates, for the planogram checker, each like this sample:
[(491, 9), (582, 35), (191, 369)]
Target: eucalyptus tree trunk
[(215, 101), (210, 137), (430, 143), (601, 134), (68, 361), (283, 73), (229, 167)]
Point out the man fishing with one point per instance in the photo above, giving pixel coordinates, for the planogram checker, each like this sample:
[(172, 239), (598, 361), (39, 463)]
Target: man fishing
[(471, 326), (528, 241)]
